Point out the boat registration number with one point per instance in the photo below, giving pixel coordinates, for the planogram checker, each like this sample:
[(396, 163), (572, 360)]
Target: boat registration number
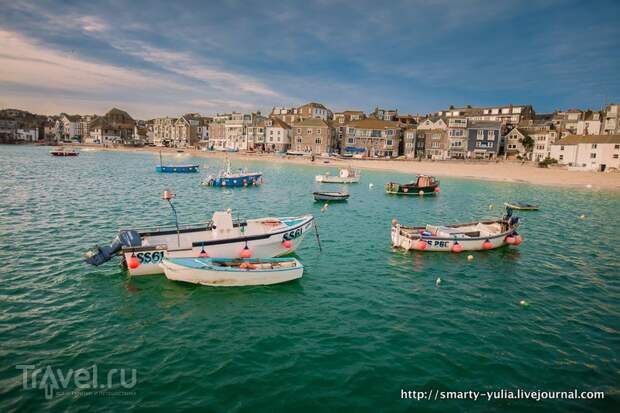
[(437, 243), (150, 257), (292, 234)]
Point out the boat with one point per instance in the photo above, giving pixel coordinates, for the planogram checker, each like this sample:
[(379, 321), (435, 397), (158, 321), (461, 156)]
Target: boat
[(228, 272), (64, 152), (345, 176), (475, 236), (143, 249), (175, 168), (522, 206), (330, 196), (422, 185), (227, 178)]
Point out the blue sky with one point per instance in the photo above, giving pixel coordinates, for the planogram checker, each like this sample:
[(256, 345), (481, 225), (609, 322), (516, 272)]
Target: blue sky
[(165, 58)]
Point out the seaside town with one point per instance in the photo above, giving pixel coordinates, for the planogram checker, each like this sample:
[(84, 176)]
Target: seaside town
[(578, 139)]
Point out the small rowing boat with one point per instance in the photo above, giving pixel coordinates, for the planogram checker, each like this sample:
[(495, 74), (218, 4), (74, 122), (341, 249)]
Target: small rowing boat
[(422, 185), (228, 272), (522, 206), (180, 169), (330, 196), (475, 236), (64, 152), (228, 179), (345, 176)]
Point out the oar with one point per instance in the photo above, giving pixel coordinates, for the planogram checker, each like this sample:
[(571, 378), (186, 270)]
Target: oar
[(316, 233)]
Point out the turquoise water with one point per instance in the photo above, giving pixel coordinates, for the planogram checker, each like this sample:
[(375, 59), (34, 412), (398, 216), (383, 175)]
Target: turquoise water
[(363, 323)]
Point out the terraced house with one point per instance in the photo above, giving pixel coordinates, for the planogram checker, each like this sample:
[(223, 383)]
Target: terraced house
[(373, 138), (114, 127), (484, 139), (434, 131), (312, 135), (277, 135)]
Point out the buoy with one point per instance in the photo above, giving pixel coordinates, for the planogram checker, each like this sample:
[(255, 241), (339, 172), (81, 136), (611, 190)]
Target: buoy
[(370, 185), (470, 258), (457, 247), (245, 253), (168, 195), (589, 186), (421, 245), (405, 190), (287, 244), (518, 240), (394, 221), (420, 193), (582, 216), (487, 245), (491, 206), (437, 190), (523, 303), (133, 262), (438, 281), (510, 239)]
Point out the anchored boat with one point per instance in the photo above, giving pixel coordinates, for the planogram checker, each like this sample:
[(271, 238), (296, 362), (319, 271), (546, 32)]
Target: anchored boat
[(483, 235), (422, 185), (64, 152), (330, 196), (226, 178), (521, 206), (345, 176), (175, 168), (226, 272), (144, 249)]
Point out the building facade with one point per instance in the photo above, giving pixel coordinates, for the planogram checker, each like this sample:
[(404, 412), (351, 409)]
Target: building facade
[(588, 152), (163, 131), (312, 135), (484, 139), (373, 138), (277, 135)]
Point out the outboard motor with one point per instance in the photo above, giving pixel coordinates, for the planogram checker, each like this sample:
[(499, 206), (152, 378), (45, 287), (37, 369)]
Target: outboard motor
[(126, 238)]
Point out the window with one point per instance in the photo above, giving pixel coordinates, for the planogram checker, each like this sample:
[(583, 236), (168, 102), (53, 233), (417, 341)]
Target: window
[(480, 134), (594, 146), (350, 140), (317, 141), (435, 136), (615, 156), (318, 131), (592, 155), (389, 142), (491, 135), (616, 146), (309, 131), (299, 131), (435, 145), (351, 131), (562, 147), (299, 140), (390, 132), (561, 157)]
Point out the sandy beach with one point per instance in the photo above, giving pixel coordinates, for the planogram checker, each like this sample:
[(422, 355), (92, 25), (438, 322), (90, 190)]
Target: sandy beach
[(502, 171)]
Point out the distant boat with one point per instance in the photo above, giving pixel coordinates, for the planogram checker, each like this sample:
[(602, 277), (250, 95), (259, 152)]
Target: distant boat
[(228, 179), (330, 196), (522, 206), (297, 153), (64, 152), (345, 176), (175, 168), (483, 235), (423, 185), (228, 272)]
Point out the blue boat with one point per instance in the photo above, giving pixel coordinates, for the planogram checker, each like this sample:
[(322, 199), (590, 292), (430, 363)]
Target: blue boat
[(228, 179), (176, 169)]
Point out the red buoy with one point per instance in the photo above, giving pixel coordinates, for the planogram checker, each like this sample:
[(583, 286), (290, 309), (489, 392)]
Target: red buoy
[(133, 262), (287, 244), (487, 245), (457, 247), (421, 245), (437, 189), (518, 240), (245, 253), (510, 239)]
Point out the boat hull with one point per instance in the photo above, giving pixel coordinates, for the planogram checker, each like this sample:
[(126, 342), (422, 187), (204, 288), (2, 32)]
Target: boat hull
[(328, 179), (181, 169), (396, 189), (191, 271), (236, 181), (54, 153), (521, 207), (261, 246), (330, 198)]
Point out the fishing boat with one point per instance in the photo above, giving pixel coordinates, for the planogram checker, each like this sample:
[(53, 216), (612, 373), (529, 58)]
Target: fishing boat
[(175, 168), (227, 178), (345, 176), (522, 206), (475, 236), (421, 186), (143, 249), (227, 272), (330, 196), (64, 152)]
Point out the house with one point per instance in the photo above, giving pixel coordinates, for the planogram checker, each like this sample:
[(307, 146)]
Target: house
[(565, 122), (163, 131), (506, 115), (256, 135), (70, 127), (373, 138), (116, 126), (457, 138), (384, 114), (314, 110), (277, 135), (436, 142), (28, 134), (588, 152), (484, 139), (186, 130), (409, 140), (202, 131), (590, 123), (339, 124), (313, 135), (611, 120), (513, 142)]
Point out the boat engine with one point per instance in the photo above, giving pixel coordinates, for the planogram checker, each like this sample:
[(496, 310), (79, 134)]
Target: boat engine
[(126, 238)]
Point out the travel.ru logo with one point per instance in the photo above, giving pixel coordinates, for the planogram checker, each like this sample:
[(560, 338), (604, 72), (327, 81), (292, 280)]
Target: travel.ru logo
[(83, 381)]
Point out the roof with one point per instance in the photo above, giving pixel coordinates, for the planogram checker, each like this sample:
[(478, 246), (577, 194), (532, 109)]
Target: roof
[(279, 123), (484, 124), (73, 118), (116, 111), (372, 123), (314, 104), (312, 122), (576, 139)]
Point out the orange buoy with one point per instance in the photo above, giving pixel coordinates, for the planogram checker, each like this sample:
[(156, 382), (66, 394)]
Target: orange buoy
[(133, 262), (518, 240), (287, 244), (245, 253), (421, 245), (487, 245), (457, 247)]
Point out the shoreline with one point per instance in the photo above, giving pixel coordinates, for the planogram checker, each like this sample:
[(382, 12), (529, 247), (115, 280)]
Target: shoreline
[(502, 171)]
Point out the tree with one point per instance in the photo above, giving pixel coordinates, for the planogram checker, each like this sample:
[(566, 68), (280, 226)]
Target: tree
[(528, 143)]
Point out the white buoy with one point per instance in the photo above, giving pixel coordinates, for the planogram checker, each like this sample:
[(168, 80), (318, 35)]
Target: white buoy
[(470, 258), (491, 206), (324, 208), (582, 216), (523, 303), (370, 185), (589, 186), (438, 281)]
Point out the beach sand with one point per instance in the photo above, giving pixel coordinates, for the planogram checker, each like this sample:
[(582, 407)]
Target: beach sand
[(502, 171)]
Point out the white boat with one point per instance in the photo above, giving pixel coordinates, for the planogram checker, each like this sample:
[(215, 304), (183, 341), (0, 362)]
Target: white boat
[(475, 236), (222, 237), (226, 272), (330, 196), (345, 176)]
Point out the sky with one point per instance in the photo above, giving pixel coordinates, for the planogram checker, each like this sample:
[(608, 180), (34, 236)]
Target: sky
[(168, 58)]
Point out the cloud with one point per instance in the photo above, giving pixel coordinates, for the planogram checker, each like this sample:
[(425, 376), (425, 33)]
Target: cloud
[(92, 24)]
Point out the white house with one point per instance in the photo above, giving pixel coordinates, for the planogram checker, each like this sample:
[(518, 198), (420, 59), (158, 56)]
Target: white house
[(28, 134), (588, 152), (277, 135), (590, 124)]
